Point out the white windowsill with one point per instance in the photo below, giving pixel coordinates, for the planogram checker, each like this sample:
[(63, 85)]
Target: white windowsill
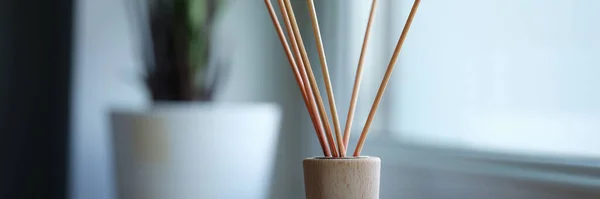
[(584, 173)]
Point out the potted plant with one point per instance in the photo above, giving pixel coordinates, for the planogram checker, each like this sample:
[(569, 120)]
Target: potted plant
[(186, 145)]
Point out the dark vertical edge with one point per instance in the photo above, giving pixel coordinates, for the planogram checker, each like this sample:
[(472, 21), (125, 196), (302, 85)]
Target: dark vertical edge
[(36, 65)]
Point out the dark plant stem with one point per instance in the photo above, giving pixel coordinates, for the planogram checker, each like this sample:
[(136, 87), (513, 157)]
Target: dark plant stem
[(170, 78), (181, 50), (173, 74)]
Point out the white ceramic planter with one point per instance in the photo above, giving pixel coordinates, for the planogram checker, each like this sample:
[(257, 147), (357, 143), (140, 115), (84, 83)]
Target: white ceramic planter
[(195, 150)]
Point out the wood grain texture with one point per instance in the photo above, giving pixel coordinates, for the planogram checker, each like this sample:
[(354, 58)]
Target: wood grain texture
[(342, 178)]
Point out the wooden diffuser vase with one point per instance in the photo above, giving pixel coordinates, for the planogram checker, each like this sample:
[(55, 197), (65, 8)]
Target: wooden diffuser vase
[(334, 175), (342, 178)]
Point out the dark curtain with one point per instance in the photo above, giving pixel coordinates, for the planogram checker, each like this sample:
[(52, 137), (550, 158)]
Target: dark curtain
[(35, 74)]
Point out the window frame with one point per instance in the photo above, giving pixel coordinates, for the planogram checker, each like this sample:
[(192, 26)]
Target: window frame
[(386, 145)]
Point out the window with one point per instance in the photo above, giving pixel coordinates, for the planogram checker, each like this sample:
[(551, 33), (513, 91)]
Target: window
[(501, 75)]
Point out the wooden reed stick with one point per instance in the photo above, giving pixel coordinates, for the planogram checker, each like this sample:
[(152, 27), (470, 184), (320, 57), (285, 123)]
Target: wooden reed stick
[(358, 77), (286, 47), (325, 71), (311, 99), (312, 108), (386, 78), (298, 57), (311, 77), (317, 125)]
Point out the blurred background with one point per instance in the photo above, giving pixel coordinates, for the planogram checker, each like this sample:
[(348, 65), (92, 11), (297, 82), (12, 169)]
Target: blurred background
[(489, 99)]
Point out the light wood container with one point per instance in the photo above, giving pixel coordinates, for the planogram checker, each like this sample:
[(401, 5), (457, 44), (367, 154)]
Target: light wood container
[(342, 178)]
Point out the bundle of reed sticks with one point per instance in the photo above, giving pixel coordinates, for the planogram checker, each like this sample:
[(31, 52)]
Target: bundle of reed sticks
[(305, 78)]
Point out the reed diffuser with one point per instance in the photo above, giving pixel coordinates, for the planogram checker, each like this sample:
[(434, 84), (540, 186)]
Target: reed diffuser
[(334, 175)]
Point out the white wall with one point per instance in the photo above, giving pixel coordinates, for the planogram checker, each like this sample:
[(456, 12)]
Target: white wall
[(107, 75)]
